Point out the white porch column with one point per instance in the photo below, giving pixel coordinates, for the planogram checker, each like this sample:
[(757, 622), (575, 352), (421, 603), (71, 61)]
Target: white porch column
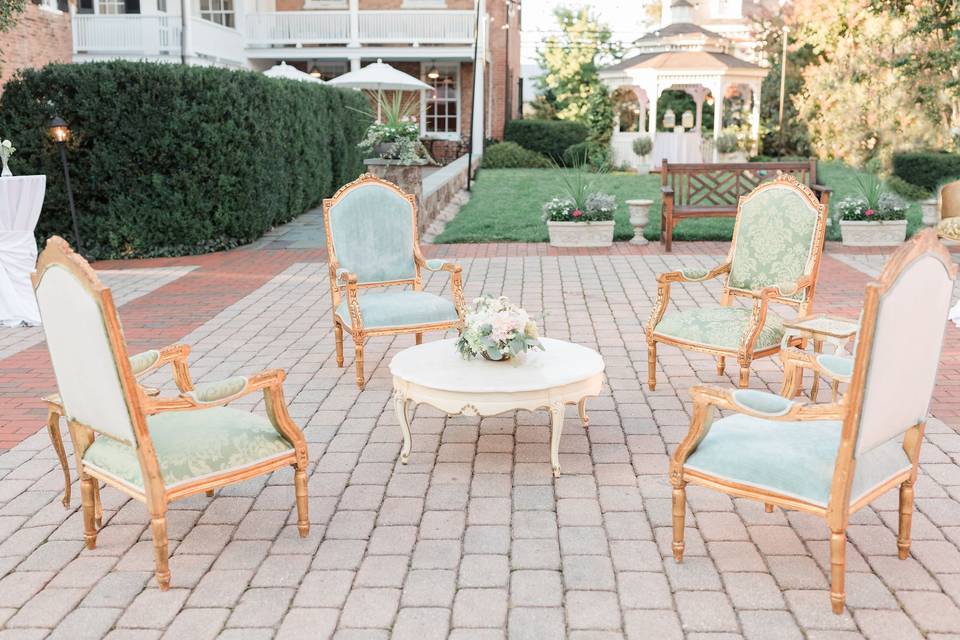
[(186, 35), (355, 63), (354, 25), (755, 117)]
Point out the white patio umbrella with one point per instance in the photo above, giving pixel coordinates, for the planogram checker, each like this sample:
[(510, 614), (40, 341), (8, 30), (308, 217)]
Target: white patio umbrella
[(379, 77), (283, 70)]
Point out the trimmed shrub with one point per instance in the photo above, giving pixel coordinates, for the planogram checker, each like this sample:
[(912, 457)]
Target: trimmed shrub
[(510, 155), (547, 137), (926, 169), (173, 160), (906, 190), (593, 155)]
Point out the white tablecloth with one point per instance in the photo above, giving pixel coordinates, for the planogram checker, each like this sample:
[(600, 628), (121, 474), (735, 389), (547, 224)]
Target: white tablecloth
[(21, 199), (677, 147)]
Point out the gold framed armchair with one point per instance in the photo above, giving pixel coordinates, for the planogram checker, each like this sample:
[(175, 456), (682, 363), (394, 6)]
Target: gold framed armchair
[(155, 449), (372, 242), (774, 258), (833, 459)]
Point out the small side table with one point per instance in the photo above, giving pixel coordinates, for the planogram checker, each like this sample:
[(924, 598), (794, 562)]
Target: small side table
[(433, 373), (822, 329)]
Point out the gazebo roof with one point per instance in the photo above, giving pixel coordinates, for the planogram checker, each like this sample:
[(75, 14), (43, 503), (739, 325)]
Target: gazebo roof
[(678, 29), (670, 60)]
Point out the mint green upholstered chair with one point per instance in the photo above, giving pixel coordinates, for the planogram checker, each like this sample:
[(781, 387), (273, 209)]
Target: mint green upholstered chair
[(774, 258), (832, 459), (153, 448), (372, 242)]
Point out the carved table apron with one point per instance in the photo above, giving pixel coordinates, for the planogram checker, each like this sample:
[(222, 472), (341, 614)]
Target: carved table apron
[(434, 374)]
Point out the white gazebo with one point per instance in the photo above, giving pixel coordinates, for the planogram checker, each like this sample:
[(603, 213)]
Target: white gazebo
[(690, 58)]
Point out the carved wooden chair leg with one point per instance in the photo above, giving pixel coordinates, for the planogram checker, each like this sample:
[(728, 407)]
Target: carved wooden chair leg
[(835, 390), (744, 376), (210, 493), (53, 428), (358, 347), (721, 364), (906, 519), (303, 514), (418, 338), (97, 504), (87, 488), (679, 512), (815, 385), (768, 507), (652, 365), (158, 527), (338, 337), (838, 550)]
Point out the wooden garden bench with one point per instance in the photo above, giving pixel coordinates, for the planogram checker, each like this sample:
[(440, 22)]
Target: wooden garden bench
[(713, 190)]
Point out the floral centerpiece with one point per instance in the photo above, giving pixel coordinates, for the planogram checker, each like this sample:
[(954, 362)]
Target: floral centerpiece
[(397, 135), (495, 329), (874, 217), (6, 150), (582, 216)]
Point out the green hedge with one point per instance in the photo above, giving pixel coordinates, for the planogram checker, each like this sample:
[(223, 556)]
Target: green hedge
[(510, 155), (926, 169), (173, 160), (548, 137)]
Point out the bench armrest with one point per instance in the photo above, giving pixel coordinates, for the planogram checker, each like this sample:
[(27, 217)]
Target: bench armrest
[(667, 191)]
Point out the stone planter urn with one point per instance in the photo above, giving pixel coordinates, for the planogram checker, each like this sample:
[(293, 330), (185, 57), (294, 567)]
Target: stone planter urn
[(929, 209), (639, 217), (734, 157), (886, 233), (581, 234)]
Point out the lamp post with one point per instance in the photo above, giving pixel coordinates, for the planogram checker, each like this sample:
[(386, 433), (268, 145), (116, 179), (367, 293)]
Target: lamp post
[(60, 133)]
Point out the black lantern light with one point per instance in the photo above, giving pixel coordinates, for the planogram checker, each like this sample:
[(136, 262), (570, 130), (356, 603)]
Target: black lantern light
[(60, 133)]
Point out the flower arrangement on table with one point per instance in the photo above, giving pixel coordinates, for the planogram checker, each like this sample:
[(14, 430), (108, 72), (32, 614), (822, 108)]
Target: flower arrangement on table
[(495, 329), (6, 150), (873, 203)]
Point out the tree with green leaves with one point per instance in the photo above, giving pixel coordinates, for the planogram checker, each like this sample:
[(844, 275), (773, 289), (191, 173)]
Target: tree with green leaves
[(931, 60), (10, 10), (570, 86)]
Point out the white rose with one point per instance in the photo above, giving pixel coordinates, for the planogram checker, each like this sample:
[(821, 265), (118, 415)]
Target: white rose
[(6, 143)]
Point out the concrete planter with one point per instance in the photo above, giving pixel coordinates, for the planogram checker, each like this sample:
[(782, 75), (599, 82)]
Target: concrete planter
[(639, 217), (887, 233), (581, 234), (929, 209), (733, 157)]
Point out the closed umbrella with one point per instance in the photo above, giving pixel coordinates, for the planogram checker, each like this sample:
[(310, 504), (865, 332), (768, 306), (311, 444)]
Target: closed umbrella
[(379, 77), (283, 70)]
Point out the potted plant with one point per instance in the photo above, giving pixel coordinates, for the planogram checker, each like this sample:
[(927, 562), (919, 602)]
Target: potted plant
[(728, 146), (642, 146), (494, 329), (397, 135), (581, 217), (873, 218)]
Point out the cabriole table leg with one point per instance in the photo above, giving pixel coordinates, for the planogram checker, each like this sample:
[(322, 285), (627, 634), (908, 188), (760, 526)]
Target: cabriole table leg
[(400, 407), (556, 429), (582, 409)]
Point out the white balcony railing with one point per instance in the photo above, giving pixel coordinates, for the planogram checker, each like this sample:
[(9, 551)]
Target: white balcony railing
[(297, 27), (142, 35), (294, 28)]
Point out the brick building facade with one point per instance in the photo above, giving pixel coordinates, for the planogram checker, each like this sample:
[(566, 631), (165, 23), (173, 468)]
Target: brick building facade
[(41, 35)]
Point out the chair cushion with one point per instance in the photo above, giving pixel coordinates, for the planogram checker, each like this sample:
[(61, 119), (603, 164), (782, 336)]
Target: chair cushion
[(794, 459), (837, 366), (193, 444), (718, 327), (949, 228), (400, 308)]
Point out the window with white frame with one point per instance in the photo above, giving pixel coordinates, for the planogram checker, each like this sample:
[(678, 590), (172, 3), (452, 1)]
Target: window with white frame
[(218, 11), (440, 112), (111, 7)]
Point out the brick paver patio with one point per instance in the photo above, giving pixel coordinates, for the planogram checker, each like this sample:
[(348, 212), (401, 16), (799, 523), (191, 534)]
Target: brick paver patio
[(474, 538)]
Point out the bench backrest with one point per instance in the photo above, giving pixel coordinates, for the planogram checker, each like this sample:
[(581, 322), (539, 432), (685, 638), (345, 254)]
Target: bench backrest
[(720, 185)]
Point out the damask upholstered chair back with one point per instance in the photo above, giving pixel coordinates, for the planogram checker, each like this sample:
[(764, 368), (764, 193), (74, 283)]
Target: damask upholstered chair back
[(777, 238), (371, 226), (898, 350), (86, 345)]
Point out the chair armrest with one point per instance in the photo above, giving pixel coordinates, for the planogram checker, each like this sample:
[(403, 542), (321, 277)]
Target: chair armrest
[(665, 190), (783, 289), (217, 393), (769, 406), (693, 275), (820, 188), (343, 277), (440, 264)]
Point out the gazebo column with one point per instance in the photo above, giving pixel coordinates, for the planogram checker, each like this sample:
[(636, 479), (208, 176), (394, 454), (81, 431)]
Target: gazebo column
[(698, 93), (717, 118)]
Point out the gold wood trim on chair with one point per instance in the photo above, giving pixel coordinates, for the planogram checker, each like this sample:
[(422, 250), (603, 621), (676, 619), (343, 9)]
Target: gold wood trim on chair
[(346, 284)]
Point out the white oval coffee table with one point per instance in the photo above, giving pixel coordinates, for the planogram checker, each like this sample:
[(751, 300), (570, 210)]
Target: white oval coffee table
[(434, 373)]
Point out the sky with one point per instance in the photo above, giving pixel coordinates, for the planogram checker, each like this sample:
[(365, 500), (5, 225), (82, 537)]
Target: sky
[(625, 17)]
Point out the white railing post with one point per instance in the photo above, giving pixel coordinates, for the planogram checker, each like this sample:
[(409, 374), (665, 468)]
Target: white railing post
[(354, 24), (186, 31)]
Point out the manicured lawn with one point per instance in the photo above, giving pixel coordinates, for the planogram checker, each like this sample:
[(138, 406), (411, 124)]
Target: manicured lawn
[(505, 206)]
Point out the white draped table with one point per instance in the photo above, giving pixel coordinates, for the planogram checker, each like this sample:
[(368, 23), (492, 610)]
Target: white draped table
[(21, 198)]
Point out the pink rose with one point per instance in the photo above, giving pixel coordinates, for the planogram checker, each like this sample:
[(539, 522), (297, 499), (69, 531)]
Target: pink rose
[(577, 213), (868, 212)]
